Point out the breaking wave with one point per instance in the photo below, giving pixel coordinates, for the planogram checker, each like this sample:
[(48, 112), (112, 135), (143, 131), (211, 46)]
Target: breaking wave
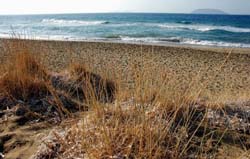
[(181, 25), (214, 43), (150, 39), (205, 28), (73, 22), (177, 40)]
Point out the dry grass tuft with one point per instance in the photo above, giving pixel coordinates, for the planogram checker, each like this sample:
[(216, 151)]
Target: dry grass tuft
[(27, 82), (24, 78)]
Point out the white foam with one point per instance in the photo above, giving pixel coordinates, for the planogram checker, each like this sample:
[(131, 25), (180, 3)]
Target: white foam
[(137, 39), (204, 28), (184, 41), (37, 37), (225, 28), (181, 26), (124, 24), (130, 39), (72, 22), (214, 43)]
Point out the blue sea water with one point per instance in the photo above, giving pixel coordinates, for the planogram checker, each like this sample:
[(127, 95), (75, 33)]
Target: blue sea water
[(213, 30)]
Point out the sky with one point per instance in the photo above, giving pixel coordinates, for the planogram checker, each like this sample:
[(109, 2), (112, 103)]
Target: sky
[(97, 6)]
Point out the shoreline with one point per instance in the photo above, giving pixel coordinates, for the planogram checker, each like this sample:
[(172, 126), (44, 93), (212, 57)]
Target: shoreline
[(241, 50)]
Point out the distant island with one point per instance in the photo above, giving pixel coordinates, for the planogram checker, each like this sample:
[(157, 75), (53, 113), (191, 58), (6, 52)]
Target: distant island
[(208, 11)]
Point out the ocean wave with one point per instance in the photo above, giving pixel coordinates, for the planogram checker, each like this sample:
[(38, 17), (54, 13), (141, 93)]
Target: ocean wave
[(126, 24), (137, 39), (151, 39), (131, 39), (223, 28), (214, 43), (73, 22), (179, 40), (113, 37), (184, 22), (205, 28), (180, 25), (186, 25)]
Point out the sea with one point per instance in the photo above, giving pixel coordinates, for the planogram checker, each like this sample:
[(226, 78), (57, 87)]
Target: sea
[(194, 29)]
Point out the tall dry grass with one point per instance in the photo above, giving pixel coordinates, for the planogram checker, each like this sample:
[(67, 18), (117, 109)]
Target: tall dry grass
[(148, 119), (24, 77), (25, 80)]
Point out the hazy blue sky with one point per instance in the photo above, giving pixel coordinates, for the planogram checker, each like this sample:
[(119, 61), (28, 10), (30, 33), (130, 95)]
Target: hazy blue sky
[(83, 6)]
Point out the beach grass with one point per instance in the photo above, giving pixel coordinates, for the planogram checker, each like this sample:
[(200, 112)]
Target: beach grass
[(174, 105)]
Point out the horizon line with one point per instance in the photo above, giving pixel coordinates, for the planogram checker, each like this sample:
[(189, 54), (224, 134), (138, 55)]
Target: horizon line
[(115, 12)]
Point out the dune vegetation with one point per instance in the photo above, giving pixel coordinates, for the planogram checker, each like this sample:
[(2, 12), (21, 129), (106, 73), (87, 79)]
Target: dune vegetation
[(82, 111)]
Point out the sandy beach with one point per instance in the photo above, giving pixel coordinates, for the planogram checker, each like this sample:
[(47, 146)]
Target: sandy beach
[(215, 74), (223, 70)]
